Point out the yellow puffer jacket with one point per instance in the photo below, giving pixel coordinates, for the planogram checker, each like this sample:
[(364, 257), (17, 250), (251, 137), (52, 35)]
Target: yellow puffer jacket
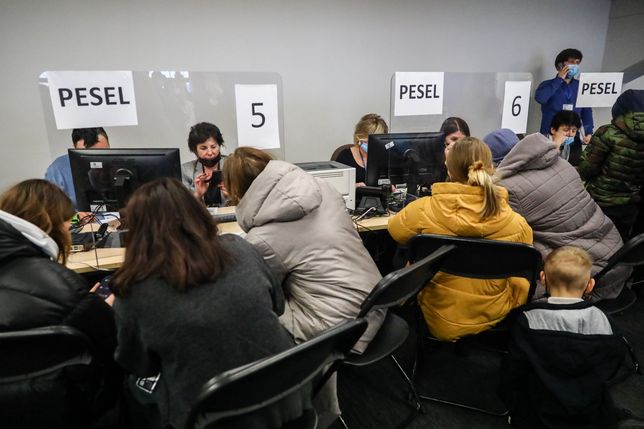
[(454, 306)]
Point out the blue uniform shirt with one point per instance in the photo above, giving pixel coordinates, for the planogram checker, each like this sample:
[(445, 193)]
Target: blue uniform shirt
[(553, 94), (60, 174)]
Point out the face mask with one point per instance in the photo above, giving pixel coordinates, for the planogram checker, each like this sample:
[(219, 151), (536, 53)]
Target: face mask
[(568, 141), (573, 71), (364, 147), (209, 162)]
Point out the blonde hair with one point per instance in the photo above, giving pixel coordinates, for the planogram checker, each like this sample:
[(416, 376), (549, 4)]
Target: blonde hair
[(241, 168), (568, 267), (469, 161), (45, 205), (370, 123)]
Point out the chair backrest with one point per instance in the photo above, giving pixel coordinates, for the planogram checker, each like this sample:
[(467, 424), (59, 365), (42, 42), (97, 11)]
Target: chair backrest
[(339, 149), (400, 285), (257, 386), (631, 253), (31, 353), (48, 378), (481, 258)]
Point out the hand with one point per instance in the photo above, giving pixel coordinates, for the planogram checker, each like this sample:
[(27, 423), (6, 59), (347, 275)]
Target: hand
[(563, 73), (85, 216), (109, 300), (223, 190), (587, 138), (201, 183), (360, 184)]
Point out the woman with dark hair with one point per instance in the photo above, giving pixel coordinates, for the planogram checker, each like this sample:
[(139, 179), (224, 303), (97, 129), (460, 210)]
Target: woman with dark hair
[(203, 175), (454, 129), (190, 303), (37, 290)]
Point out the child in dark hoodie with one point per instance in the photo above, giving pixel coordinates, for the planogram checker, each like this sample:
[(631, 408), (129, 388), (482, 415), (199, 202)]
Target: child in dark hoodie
[(563, 351)]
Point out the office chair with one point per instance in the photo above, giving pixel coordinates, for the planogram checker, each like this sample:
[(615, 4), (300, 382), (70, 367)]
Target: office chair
[(47, 378), (394, 289), (631, 254), (477, 259), (339, 149), (275, 392)]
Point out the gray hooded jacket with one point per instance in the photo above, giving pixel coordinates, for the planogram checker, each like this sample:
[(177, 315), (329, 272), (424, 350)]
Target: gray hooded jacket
[(300, 225), (548, 192)]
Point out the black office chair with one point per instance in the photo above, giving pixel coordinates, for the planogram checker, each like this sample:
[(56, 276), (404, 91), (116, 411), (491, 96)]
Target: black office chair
[(275, 392), (631, 254), (47, 378), (479, 259), (394, 289), (338, 150)]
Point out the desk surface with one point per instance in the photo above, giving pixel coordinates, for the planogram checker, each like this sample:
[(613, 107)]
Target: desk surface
[(111, 259)]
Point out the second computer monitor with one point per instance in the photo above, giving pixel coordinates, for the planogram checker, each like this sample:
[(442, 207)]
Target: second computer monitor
[(413, 159), (105, 178)]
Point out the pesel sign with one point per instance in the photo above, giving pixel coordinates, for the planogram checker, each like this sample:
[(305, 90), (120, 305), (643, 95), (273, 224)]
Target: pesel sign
[(82, 99), (599, 89)]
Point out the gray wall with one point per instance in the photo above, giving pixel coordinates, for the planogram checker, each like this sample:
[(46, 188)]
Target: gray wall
[(335, 57)]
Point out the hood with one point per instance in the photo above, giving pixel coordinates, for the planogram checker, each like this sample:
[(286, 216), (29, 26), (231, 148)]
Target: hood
[(534, 152), (457, 207), (21, 238), (630, 101), (281, 193)]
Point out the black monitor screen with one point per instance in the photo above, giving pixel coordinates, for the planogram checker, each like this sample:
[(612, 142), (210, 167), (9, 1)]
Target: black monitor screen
[(413, 159), (107, 177)]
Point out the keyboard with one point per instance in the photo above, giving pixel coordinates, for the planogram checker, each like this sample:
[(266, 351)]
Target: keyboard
[(224, 217)]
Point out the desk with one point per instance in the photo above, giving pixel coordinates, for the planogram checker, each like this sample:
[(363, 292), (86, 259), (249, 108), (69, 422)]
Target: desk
[(111, 259)]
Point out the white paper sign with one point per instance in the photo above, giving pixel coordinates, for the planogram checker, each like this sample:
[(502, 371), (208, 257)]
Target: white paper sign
[(515, 106), (83, 99), (257, 120), (418, 93), (599, 89)]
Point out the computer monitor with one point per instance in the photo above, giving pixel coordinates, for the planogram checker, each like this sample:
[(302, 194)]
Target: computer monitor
[(413, 159), (105, 178)]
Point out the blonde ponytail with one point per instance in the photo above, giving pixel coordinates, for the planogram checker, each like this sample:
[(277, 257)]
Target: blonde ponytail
[(470, 161), (478, 175)]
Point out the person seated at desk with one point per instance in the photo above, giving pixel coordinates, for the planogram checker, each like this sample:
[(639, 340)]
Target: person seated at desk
[(468, 206), (548, 192), (59, 172), (190, 303), (356, 156), (203, 175), (300, 226), (454, 129), (37, 290)]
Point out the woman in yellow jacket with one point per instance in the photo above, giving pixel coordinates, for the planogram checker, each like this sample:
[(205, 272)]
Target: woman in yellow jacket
[(468, 206)]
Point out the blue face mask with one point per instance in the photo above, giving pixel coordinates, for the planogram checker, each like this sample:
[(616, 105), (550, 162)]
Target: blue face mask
[(364, 147), (573, 71), (568, 141)]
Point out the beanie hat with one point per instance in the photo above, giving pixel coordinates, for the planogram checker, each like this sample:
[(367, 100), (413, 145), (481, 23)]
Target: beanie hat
[(500, 142)]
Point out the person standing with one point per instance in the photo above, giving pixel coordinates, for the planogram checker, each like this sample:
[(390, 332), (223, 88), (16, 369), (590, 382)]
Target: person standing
[(560, 93)]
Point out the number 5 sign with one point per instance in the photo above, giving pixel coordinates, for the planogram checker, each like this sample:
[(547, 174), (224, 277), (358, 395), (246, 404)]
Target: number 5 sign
[(257, 119), (515, 106)]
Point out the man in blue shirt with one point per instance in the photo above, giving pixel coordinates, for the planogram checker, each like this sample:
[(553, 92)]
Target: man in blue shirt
[(60, 171), (560, 93)]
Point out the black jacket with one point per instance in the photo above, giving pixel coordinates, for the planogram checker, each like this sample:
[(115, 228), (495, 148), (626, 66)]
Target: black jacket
[(555, 377), (37, 292)]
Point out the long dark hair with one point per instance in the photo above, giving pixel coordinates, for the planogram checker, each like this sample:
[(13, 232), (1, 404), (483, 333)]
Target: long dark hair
[(46, 206), (171, 236)]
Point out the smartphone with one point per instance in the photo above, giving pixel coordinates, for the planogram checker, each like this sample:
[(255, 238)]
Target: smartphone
[(104, 287)]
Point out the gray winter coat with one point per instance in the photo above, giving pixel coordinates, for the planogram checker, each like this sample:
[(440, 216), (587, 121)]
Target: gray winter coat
[(547, 191), (300, 225)]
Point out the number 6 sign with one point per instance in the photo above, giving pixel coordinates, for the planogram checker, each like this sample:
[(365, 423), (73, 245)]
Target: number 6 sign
[(515, 106), (257, 117)]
